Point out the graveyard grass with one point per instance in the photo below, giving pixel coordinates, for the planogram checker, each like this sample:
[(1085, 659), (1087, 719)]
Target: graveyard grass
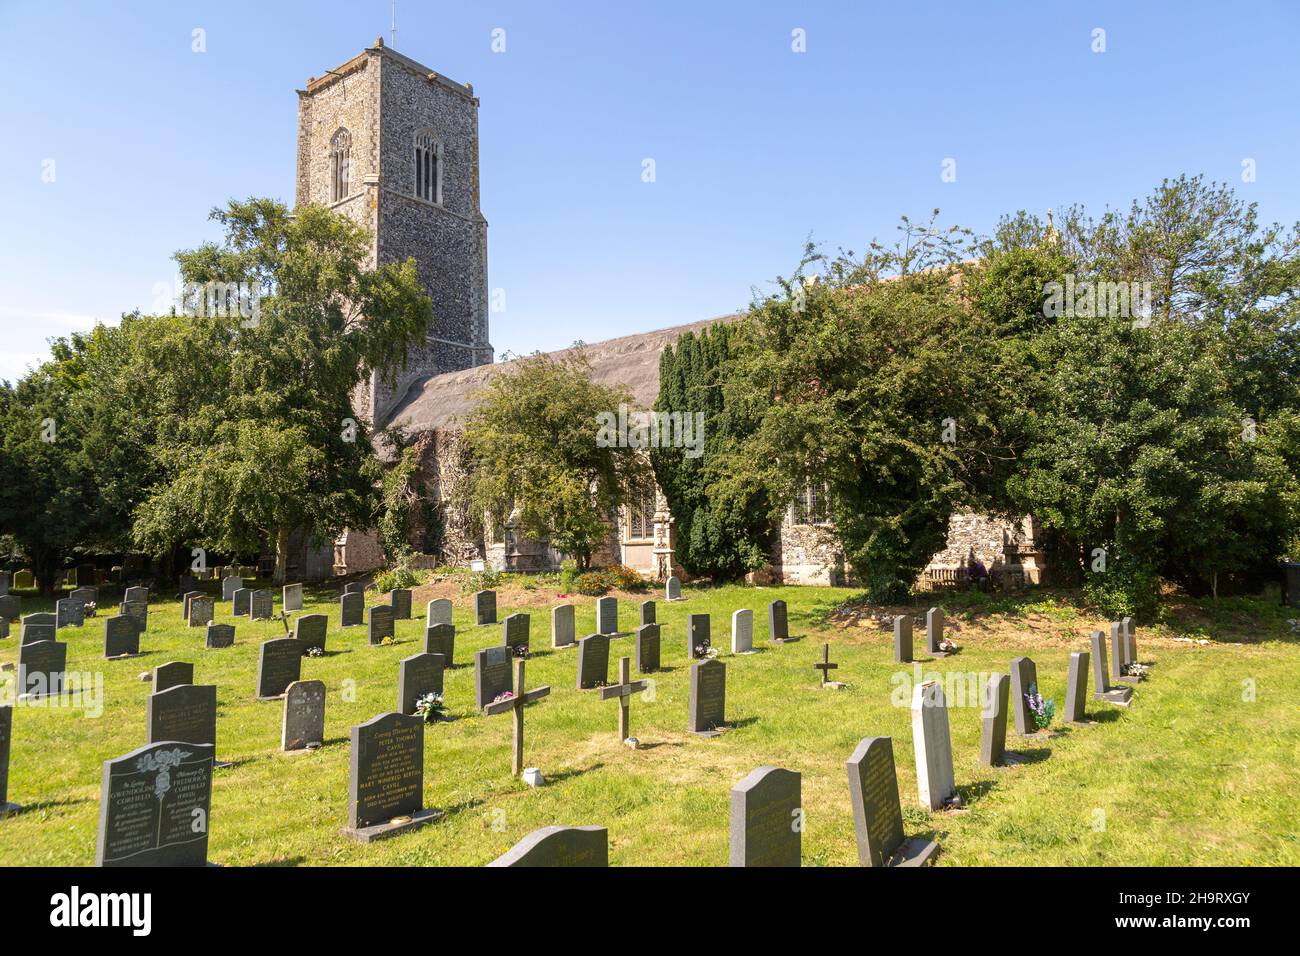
[(1195, 772)]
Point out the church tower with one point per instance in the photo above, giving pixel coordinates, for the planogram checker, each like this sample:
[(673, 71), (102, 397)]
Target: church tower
[(394, 145)]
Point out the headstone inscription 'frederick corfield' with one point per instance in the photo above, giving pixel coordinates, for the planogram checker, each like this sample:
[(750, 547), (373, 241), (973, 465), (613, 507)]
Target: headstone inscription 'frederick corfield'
[(1101, 689), (381, 623), (240, 602), (902, 639), (491, 674), (993, 723), (778, 622), (877, 811), (1024, 681), (303, 727), (310, 630), (742, 631), (563, 629), (515, 631), (441, 639), (279, 664), (437, 611), (41, 668), (607, 615), (1076, 689), (185, 713), (219, 635), (648, 613), (485, 607), (647, 648), (291, 598), (707, 705), (766, 818), (386, 782), (352, 609), (935, 785), (121, 636), (698, 636), (172, 674), (593, 661), (418, 675), (400, 600), (261, 605), (154, 805), (559, 846)]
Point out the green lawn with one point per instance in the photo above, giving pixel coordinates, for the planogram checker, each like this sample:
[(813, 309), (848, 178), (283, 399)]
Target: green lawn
[(1192, 773)]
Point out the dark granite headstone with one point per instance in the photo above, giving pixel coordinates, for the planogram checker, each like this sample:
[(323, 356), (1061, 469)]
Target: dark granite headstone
[(11, 607), (279, 664), (1118, 655), (121, 636), (902, 639), (187, 713), (400, 601), (220, 635), (172, 674), (993, 725), (154, 806), (607, 615), (303, 725), (1130, 640), (310, 630), (563, 629), (437, 611), (418, 675), (778, 622), (1023, 677), (352, 609), (41, 668), (514, 632), (766, 824), (648, 613), (708, 698), (381, 623), (4, 627), (37, 627), (485, 607), (189, 583), (5, 580), (386, 782), (593, 661), (877, 812), (261, 605), (1076, 688), (647, 648), (698, 638), (69, 613), (136, 593), (85, 595), (354, 587), (136, 610), (202, 611), (1101, 689), (6, 735), (241, 603), (441, 639), (492, 675), (934, 631), (559, 846)]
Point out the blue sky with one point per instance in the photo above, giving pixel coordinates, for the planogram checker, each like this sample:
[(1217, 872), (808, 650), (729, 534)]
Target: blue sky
[(755, 146)]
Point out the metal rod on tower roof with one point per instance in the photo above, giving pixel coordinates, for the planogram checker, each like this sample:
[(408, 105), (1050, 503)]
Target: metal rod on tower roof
[(394, 43)]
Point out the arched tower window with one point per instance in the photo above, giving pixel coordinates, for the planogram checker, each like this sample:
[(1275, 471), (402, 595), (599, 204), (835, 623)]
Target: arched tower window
[(340, 160), (427, 185)]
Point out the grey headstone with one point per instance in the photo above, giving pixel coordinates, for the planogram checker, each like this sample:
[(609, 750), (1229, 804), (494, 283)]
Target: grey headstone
[(708, 697), (279, 664), (698, 639), (202, 611), (304, 715), (387, 770), (354, 587), (11, 606), (441, 639), (418, 675), (352, 609), (673, 589), (261, 605), (186, 599), (1024, 680), (121, 636), (187, 712), (933, 631), (69, 613), (229, 585), (563, 630), (188, 583), (137, 611), (1076, 689), (993, 724), (559, 846), (310, 630), (438, 611), (220, 635), (86, 595), (765, 818), (37, 627), (6, 735), (172, 674), (742, 631), (1130, 641), (291, 598), (154, 806), (647, 613), (515, 630), (873, 793), (241, 602), (778, 622), (381, 623), (485, 607), (4, 627), (400, 599), (136, 593), (607, 615), (932, 745), (647, 648), (902, 639), (593, 661), (1118, 655), (41, 668), (5, 580), (492, 675)]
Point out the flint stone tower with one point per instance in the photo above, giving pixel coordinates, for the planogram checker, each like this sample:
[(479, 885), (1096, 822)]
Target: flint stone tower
[(394, 145)]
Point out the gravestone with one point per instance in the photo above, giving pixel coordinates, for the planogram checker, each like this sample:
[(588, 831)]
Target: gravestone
[(121, 637), (186, 599), (85, 595), (1024, 681), (386, 779), (6, 735), (10, 607), (877, 811), (647, 648), (563, 630), (279, 664), (934, 632), (261, 605), (698, 639), (593, 661), (5, 580), (418, 675), (1130, 640), (4, 627), (559, 846), (310, 630), (778, 622), (303, 727), (24, 580), (381, 623), (1076, 688), (708, 698), (188, 583), (1118, 653), (993, 724), (186, 713), (935, 785), (41, 668), (220, 635), (902, 639), (354, 587), (136, 593), (742, 631), (229, 585), (352, 609), (647, 613), (441, 639), (438, 611), (172, 674), (154, 806), (514, 633), (241, 602), (1101, 689), (607, 615), (69, 613), (138, 611), (673, 589), (766, 824), (400, 599), (202, 611), (491, 674), (485, 607), (291, 598), (37, 627)]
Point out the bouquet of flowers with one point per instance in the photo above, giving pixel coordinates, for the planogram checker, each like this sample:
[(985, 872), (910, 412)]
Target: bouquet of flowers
[(1042, 710), (315, 651), (429, 707)]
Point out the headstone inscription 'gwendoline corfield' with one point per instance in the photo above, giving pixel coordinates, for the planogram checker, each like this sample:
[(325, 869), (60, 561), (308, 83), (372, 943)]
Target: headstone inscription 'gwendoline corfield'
[(279, 664), (559, 847), (303, 726), (593, 661), (381, 623), (877, 812), (766, 818), (993, 723), (935, 785), (154, 806), (485, 607), (386, 782), (902, 639), (418, 675), (707, 706), (563, 629), (647, 648), (441, 639), (1101, 689), (352, 609), (607, 615)]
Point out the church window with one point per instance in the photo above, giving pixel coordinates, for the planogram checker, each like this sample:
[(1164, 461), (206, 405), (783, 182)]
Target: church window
[(340, 160), (427, 185), (811, 505), (641, 512)]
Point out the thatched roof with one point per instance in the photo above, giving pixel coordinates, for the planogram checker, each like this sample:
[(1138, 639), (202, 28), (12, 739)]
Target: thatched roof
[(443, 401)]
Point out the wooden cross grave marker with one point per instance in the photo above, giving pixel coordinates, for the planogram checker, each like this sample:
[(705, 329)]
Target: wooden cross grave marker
[(516, 704), (623, 690), (825, 665)]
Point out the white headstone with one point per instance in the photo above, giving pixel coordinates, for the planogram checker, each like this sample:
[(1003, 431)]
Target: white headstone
[(742, 631), (934, 777)]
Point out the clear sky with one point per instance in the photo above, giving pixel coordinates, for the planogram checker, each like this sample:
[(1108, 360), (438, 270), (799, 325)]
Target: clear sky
[(755, 146)]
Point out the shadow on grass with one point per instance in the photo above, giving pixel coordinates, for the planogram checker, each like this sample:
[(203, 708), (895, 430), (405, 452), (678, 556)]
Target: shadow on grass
[(283, 861), (972, 792), (574, 772), (1030, 756), (743, 722)]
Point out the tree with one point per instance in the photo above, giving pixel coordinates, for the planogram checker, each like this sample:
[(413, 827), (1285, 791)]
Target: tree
[(532, 450)]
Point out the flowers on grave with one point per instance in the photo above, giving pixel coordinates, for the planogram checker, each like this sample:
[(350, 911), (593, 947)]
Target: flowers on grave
[(947, 646), (705, 649), (504, 695), (315, 651), (387, 642), (519, 650), (90, 608), (1137, 670), (429, 707), (1041, 710)]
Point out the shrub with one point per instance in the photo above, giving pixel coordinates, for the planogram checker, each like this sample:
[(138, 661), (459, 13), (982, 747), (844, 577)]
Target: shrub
[(592, 583), (400, 575), (624, 578), (480, 581), (1125, 589), (568, 574)]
